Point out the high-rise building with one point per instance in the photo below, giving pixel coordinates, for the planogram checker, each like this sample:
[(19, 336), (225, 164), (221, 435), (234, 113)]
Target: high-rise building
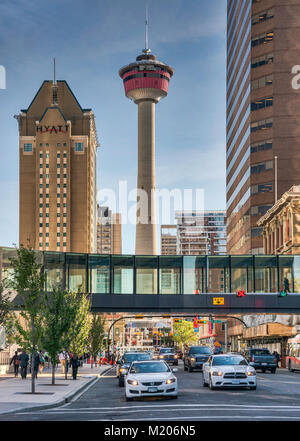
[(109, 231), (201, 232), (146, 82), (58, 152), (263, 114), (168, 240)]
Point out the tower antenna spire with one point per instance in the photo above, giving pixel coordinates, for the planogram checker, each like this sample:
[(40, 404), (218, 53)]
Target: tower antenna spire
[(54, 83), (147, 50)]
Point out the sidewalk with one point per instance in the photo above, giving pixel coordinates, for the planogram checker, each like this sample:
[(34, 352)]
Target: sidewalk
[(15, 393)]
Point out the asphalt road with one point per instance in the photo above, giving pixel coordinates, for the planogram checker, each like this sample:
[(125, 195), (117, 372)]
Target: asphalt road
[(277, 398)]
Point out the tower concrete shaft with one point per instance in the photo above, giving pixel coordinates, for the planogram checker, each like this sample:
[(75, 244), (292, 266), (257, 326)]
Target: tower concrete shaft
[(146, 238)]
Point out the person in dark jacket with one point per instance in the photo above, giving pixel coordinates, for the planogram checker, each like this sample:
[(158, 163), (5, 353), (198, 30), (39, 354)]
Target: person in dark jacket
[(74, 361), (23, 357), (16, 362), (36, 363)]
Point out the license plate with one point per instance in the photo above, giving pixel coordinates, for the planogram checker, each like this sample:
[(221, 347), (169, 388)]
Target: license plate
[(152, 389), (264, 364), (235, 381)]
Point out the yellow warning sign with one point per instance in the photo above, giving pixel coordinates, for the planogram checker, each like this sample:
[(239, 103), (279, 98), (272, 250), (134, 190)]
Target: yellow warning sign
[(218, 300)]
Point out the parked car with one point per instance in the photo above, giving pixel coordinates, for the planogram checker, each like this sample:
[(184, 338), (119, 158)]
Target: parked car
[(196, 357), (261, 358), (169, 355), (150, 378), (231, 370), (179, 353), (125, 361)]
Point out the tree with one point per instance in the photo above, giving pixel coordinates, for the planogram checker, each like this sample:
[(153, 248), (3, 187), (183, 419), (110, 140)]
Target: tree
[(96, 336), (184, 333), (5, 305), (77, 337), (27, 281), (59, 313)]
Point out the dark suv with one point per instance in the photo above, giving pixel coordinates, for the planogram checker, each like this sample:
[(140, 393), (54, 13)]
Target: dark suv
[(196, 357)]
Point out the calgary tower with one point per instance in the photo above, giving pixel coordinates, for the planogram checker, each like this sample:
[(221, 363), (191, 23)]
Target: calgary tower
[(146, 81)]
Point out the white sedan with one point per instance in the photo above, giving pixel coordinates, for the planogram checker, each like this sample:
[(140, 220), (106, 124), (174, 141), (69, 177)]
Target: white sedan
[(228, 370), (150, 378)]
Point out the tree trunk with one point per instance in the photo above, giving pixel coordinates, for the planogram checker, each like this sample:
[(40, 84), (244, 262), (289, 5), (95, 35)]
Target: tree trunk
[(53, 373), (32, 356)]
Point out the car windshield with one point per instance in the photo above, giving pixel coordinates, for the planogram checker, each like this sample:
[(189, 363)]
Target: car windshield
[(260, 352), (145, 368), (200, 350), (166, 350), (128, 358), (229, 360)]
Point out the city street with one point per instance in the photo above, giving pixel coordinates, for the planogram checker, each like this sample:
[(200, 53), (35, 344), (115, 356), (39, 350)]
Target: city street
[(277, 398)]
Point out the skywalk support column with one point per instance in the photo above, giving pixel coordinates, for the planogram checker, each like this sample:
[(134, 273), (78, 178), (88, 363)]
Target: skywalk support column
[(146, 239)]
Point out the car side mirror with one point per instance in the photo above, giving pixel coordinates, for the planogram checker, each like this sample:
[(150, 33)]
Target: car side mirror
[(174, 370)]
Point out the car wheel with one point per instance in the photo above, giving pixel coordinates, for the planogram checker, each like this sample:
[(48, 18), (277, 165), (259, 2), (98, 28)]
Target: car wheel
[(129, 398), (190, 369), (263, 371), (204, 382), (121, 381), (184, 367), (273, 371), (211, 384), (252, 387), (176, 363)]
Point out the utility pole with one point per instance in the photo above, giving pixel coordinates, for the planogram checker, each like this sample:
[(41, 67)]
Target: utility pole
[(226, 335)]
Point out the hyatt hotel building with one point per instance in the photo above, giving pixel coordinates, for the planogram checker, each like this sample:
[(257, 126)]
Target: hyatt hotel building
[(57, 151), (263, 114)]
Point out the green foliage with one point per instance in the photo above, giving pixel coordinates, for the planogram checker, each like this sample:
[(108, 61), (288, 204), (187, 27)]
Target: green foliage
[(184, 333), (77, 338), (5, 305), (96, 334)]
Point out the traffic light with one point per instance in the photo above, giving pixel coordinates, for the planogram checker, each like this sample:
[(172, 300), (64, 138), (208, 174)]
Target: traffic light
[(202, 322), (176, 320), (195, 322)]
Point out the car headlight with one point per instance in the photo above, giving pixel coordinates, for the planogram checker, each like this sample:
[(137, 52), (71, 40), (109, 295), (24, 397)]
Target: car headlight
[(217, 373), (193, 358), (176, 356), (161, 356), (133, 382), (170, 380), (123, 370), (250, 373)]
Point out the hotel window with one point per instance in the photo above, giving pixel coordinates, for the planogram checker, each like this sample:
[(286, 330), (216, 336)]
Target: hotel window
[(41, 234), (64, 234), (65, 165), (47, 145), (28, 147), (41, 244), (41, 165), (47, 155), (47, 234), (47, 225), (261, 125), (58, 244), (262, 103), (64, 224), (58, 195), (261, 61), (263, 16), (262, 188), (65, 144), (58, 176), (65, 175), (41, 155), (47, 205), (64, 205), (64, 244), (262, 39), (47, 176), (58, 185), (65, 185), (65, 195), (58, 224), (58, 165), (41, 205), (65, 215), (58, 214), (47, 185), (264, 166), (78, 146), (41, 176), (261, 146), (41, 185), (58, 155), (58, 205), (267, 80), (259, 210), (47, 244), (41, 214), (41, 144), (65, 155), (257, 231), (47, 165), (47, 214), (58, 234), (58, 144)]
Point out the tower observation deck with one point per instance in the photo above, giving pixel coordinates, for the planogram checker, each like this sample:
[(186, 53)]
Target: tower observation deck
[(146, 82)]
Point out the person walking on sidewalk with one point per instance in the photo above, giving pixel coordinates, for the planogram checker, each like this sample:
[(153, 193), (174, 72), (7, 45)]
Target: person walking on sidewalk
[(74, 361), (23, 357), (36, 363), (16, 362), (42, 362)]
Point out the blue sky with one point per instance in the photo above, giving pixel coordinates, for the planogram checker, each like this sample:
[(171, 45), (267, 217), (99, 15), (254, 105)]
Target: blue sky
[(91, 40)]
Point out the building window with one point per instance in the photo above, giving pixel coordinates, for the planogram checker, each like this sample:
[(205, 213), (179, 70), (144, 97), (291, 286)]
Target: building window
[(47, 234), (41, 185), (65, 215), (65, 175), (41, 234), (58, 155), (58, 234), (58, 244), (47, 176), (262, 39), (65, 165), (262, 125), (41, 165), (261, 61), (64, 205), (28, 147), (259, 210), (262, 188), (262, 103), (41, 176), (47, 205), (58, 165), (263, 166), (58, 175), (47, 244), (263, 16), (41, 244), (47, 225), (64, 234), (65, 155), (58, 214), (64, 244), (78, 146), (41, 155), (41, 205), (256, 232), (65, 185), (58, 205), (47, 155), (65, 195), (58, 195), (58, 144), (261, 146), (65, 144), (47, 214), (58, 185), (41, 214), (64, 224), (58, 224), (47, 185), (47, 165), (41, 144), (264, 81)]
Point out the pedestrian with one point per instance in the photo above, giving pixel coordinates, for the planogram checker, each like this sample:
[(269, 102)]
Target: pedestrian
[(42, 362), (16, 362), (61, 357), (74, 361), (36, 363), (23, 357), (286, 284), (277, 356)]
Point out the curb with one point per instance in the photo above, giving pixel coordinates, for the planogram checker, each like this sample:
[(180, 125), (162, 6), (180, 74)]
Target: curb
[(60, 402)]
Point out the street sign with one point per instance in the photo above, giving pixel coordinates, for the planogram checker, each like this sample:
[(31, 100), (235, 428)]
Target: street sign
[(218, 300), (196, 329)]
